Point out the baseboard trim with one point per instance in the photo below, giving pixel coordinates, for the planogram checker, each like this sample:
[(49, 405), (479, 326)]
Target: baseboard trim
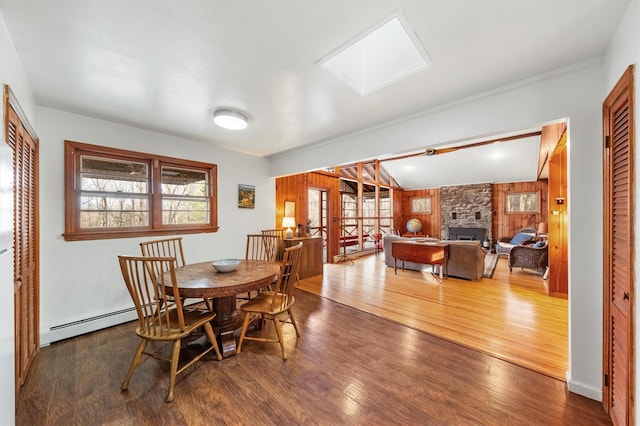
[(583, 389)]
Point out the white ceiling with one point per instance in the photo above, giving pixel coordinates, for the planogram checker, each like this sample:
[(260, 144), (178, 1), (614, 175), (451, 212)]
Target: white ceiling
[(166, 65), (497, 162)]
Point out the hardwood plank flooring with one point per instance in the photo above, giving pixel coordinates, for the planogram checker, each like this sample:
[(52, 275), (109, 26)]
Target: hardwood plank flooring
[(508, 316), (348, 367)]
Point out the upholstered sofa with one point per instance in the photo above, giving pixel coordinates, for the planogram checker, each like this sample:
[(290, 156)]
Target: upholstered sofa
[(466, 258)]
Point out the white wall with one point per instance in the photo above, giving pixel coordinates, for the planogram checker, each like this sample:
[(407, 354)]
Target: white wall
[(623, 51), (576, 94), (11, 73), (81, 280)]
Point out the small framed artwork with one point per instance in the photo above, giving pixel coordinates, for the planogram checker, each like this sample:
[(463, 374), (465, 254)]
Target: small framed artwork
[(421, 205), (522, 202), (289, 209), (246, 196)]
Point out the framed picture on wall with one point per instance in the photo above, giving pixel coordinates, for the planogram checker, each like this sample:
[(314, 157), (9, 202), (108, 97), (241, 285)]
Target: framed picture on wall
[(522, 202), (421, 205), (289, 209), (246, 196)]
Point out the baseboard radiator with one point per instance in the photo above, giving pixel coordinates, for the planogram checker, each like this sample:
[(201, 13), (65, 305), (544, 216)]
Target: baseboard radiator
[(87, 325)]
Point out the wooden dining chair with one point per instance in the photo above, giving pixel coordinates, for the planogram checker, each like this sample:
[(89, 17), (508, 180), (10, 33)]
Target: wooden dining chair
[(161, 318), (277, 232), (276, 305), (168, 247), (171, 247), (280, 234), (261, 247)]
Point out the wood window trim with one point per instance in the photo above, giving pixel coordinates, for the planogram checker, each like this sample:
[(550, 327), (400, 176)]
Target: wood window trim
[(155, 228)]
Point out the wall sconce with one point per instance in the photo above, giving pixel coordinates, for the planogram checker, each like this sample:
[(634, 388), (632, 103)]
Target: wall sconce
[(288, 222)]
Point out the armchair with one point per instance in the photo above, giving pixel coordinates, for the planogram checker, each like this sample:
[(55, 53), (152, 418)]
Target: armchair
[(523, 236), (532, 256)]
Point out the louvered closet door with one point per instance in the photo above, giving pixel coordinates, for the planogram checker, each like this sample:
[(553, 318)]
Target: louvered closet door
[(619, 250), (26, 266)]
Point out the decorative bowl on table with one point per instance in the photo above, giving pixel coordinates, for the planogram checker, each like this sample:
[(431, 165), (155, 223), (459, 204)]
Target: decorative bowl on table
[(225, 265)]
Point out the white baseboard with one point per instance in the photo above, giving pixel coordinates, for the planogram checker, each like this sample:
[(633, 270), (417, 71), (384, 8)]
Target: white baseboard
[(584, 390)]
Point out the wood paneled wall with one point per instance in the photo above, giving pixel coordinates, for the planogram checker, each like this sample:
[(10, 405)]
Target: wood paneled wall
[(549, 138), (507, 224), (296, 188), (398, 209), (430, 221), (503, 224), (558, 217)]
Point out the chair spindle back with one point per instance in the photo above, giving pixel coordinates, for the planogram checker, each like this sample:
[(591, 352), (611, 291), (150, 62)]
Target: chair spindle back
[(283, 291), (168, 247), (262, 247), (146, 282), (280, 234)]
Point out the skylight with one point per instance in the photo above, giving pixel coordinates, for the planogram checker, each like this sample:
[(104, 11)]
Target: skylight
[(384, 56)]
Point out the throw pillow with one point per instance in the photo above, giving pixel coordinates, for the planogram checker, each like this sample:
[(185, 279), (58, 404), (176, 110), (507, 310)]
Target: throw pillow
[(520, 238)]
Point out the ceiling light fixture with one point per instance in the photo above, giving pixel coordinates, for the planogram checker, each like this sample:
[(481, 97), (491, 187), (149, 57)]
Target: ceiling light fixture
[(230, 119)]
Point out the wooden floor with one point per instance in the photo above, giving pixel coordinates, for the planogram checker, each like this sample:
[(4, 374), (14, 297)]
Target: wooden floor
[(348, 367), (508, 316)]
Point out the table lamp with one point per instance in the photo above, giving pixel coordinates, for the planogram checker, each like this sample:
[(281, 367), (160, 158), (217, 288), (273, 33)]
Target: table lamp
[(543, 229), (288, 222)]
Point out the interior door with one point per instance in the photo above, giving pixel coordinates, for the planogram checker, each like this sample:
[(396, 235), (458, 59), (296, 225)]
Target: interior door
[(22, 140), (619, 251)]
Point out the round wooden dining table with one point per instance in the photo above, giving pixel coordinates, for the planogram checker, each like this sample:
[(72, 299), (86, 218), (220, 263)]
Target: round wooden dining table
[(202, 281)]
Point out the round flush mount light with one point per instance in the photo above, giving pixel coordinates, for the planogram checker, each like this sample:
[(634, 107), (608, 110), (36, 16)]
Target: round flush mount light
[(229, 119)]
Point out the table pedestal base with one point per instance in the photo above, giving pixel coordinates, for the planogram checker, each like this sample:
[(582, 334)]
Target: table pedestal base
[(227, 320)]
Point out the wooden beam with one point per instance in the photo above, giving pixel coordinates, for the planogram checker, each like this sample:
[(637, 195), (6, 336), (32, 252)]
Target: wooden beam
[(434, 151)]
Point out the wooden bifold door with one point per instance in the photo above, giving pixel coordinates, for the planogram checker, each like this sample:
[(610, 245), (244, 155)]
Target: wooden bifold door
[(619, 252), (23, 141)]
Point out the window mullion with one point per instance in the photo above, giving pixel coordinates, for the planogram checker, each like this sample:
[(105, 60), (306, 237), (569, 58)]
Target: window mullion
[(156, 193)]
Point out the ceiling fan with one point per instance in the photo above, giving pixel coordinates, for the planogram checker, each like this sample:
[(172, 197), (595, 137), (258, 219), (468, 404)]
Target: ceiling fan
[(437, 151)]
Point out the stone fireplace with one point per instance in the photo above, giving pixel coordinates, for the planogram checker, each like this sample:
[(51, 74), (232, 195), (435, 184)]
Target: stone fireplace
[(466, 210)]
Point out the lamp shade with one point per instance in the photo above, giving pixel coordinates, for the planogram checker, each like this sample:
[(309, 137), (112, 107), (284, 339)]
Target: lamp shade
[(288, 222), (543, 228)]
